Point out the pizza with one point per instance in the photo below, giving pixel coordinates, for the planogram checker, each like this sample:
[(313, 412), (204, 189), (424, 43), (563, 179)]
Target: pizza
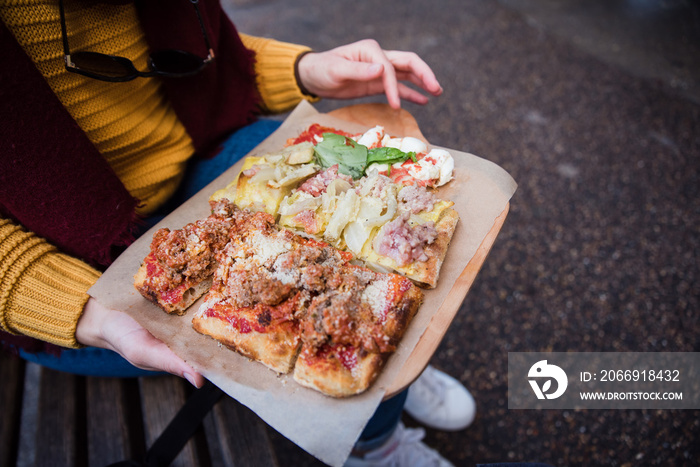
[(349, 331), (370, 194), (295, 304), (252, 307), (432, 168), (313, 259), (180, 265)]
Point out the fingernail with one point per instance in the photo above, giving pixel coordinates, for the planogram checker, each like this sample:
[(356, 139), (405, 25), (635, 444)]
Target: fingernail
[(375, 68), (190, 378)]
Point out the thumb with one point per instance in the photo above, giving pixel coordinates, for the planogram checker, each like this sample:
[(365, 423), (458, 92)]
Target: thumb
[(135, 343), (173, 364), (156, 355)]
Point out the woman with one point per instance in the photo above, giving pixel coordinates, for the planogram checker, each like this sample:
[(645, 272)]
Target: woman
[(94, 143)]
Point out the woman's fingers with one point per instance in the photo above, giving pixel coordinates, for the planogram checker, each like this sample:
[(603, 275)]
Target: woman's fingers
[(363, 68)]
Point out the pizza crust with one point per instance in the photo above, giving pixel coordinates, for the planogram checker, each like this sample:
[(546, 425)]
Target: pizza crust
[(428, 272), (328, 374), (276, 349), (404, 311)]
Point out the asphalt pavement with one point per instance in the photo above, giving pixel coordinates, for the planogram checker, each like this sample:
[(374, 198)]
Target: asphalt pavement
[(594, 108)]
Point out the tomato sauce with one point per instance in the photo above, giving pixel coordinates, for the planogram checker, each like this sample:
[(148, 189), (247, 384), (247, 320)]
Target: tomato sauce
[(175, 295), (259, 318), (346, 354), (151, 267), (309, 135), (238, 323), (348, 357)]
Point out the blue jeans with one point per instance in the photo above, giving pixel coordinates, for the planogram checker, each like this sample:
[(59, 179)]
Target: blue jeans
[(200, 172)]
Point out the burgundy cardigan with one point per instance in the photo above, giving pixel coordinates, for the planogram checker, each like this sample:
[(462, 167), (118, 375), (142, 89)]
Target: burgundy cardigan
[(56, 184)]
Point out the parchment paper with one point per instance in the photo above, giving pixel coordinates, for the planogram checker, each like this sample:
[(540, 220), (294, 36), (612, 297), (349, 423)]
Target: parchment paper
[(325, 427)]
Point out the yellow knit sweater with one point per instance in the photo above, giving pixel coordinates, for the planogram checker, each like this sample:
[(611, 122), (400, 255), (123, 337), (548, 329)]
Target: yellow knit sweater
[(43, 291)]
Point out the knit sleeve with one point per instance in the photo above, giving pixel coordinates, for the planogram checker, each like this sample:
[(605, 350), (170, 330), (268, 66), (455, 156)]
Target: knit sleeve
[(42, 291), (275, 72)]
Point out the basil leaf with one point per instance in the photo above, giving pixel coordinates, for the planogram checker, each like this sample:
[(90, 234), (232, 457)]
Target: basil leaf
[(388, 156), (350, 156)]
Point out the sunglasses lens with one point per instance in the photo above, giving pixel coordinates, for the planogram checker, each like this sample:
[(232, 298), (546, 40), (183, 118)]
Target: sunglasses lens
[(105, 65), (175, 62)]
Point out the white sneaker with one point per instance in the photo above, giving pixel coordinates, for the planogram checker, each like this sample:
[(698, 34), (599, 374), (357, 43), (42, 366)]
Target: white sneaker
[(403, 449), (440, 401)]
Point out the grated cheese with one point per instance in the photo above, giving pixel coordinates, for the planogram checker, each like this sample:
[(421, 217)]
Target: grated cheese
[(375, 295), (267, 248)]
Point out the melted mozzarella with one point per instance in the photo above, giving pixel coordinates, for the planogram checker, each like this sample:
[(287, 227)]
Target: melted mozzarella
[(372, 137), (445, 162), (437, 165), (424, 170), (390, 142), (411, 144), (379, 168)]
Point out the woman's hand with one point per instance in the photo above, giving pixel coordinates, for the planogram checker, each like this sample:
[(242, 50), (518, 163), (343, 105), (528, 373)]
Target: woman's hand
[(115, 330), (363, 68)]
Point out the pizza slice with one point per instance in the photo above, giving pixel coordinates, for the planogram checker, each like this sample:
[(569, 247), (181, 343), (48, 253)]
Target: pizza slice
[(265, 180), (405, 160), (265, 332), (179, 267), (351, 329), (415, 242), (262, 286)]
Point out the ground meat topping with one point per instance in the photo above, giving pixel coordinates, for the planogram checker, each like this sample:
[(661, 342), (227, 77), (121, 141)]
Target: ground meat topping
[(316, 185), (245, 289), (405, 243), (281, 273), (416, 199), (190, 250), (338, 315)]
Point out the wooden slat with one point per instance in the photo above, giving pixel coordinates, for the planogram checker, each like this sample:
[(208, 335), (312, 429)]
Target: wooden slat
[(109, 427), (217, 456), (161, 398), (237, 437), (58, 427), (11, 382), (97, 421)]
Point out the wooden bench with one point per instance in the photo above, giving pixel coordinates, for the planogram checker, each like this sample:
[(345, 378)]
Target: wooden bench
[(52, 418)]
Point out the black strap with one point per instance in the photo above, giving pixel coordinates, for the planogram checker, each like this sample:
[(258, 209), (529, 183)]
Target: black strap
[(169, 444)]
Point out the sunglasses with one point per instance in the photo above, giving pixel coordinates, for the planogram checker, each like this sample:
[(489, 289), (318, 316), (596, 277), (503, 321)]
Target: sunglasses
[(170, 63)]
